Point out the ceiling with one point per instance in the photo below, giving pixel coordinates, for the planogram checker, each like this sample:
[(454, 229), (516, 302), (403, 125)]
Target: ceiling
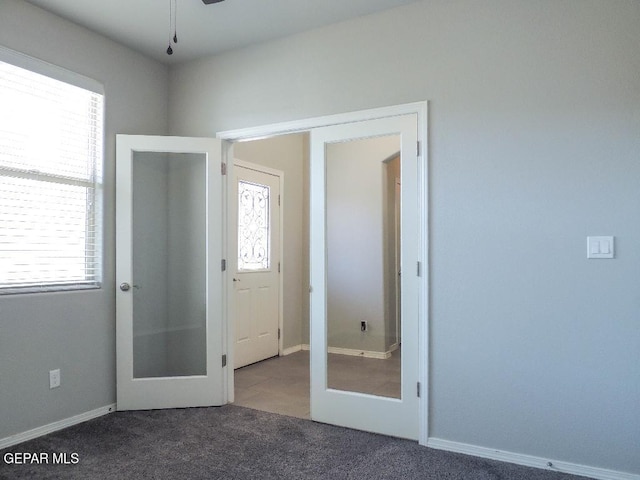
[(205, 30)]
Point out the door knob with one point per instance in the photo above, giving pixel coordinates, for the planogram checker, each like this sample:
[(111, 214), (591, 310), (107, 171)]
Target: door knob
[(125, 287)]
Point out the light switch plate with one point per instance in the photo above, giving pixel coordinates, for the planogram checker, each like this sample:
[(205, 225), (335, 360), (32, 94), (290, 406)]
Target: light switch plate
[(600, 247)]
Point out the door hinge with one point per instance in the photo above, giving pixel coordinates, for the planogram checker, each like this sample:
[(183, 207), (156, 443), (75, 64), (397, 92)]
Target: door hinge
[(278, 267), (278, 334), (223, 168), (418, 389), (278, 200), (223, 265), (418, 148), (224, 360), (419, 269)]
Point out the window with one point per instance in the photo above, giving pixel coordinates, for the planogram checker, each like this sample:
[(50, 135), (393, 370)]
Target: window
[(253, 226), (50, 178)]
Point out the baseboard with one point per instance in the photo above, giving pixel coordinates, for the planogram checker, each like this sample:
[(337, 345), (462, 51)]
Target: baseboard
[(530, 461), (353, 352), (359, 353), (55, 426), (290, 350)]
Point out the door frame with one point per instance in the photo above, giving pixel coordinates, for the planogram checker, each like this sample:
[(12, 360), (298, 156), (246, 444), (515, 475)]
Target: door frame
[(306, 125), (232, 229)]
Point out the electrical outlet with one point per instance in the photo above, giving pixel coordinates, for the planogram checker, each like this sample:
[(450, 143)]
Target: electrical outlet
[(363, 326), (54, 378)]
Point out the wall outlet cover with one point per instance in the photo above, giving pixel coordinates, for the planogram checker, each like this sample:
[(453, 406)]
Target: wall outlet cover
[(54, 378)]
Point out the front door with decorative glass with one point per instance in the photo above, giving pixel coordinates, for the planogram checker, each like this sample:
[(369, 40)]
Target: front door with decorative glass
[(256, 285)]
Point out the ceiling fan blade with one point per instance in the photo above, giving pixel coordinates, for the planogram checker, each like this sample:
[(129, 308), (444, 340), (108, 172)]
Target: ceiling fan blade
[(209, 2)]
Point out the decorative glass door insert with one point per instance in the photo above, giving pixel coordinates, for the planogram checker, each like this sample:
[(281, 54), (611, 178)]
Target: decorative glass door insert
[(253, 226)]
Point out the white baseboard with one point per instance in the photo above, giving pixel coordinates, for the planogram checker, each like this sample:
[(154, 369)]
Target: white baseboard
[(55, 426), (530, 461), (359, 353), (290, 350), (353, 352)]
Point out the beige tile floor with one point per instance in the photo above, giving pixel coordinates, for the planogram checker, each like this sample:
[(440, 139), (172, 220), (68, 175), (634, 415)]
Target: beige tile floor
[(281, 384)]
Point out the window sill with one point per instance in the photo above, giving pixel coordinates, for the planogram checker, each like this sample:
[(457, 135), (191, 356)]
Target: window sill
[(50, 288)]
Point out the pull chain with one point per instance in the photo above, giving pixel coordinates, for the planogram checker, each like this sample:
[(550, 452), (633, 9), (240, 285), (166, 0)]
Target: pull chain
[(175, 21), (173, 13)]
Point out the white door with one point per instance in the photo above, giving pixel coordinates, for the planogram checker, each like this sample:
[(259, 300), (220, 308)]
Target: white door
[(256, 263), (169, 293), (358, 380)]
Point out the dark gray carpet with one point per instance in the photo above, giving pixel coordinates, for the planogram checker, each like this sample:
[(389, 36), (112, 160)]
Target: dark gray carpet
[(239, 443)]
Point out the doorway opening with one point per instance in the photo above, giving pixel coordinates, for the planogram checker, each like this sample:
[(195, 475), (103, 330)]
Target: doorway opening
[(277, 382)]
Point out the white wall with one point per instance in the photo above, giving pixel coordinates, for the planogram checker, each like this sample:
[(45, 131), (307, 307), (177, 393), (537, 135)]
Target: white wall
[(533, 146), (72, 331), (288, 154)]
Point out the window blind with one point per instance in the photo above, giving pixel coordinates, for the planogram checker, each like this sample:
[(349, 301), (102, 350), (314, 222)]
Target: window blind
[(50, 183)]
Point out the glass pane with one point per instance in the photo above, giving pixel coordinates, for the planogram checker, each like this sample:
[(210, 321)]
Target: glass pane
[(169, 264), (363, 291), (253, 226)]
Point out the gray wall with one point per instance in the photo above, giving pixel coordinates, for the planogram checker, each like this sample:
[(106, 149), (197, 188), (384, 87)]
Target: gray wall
[(355, 206), (72, 331), (533, 146)]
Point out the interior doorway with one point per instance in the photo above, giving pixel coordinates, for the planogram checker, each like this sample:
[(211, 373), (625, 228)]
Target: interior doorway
[(280, 384)]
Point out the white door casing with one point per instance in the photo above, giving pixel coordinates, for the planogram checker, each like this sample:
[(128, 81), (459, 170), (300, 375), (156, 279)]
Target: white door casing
[(397, 417), (171, 388), (254, 256)]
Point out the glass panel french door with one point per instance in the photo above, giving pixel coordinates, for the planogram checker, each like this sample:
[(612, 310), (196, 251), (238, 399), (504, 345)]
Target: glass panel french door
[(169, 291)]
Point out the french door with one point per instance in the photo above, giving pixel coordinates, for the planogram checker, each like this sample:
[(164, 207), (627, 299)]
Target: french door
[(364, 358), (169, 292)]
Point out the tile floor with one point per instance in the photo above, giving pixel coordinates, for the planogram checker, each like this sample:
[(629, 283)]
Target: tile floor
[(281, 384)]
